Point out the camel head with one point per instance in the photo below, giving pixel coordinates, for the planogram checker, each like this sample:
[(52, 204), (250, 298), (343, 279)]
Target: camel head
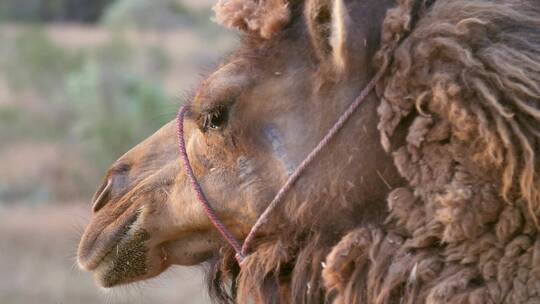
[(250, 123)]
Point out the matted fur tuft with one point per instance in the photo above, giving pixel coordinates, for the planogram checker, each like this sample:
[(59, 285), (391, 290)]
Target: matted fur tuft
[(265, 17)]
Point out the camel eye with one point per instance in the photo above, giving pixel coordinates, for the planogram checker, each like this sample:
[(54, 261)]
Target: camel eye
[(215, 119)]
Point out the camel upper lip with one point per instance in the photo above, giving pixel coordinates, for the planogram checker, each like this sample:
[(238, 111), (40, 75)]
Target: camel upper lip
[(93, 251)]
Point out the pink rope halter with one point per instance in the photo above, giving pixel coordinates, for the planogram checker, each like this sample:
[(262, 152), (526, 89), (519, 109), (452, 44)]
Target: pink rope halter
[(242, 251)]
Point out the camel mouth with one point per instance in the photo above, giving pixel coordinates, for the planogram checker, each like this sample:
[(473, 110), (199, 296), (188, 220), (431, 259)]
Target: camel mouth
[(92, 253), (126, 262)]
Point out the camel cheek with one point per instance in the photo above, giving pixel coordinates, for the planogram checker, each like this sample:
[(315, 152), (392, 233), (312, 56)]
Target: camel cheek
[(274, 137)]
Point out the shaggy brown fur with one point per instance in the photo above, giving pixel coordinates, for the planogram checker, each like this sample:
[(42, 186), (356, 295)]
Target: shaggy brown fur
[(465, 86), (465, 230), (263, 17)]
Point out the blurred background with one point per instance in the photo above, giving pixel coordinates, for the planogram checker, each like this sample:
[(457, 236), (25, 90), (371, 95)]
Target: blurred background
[(82, 81)]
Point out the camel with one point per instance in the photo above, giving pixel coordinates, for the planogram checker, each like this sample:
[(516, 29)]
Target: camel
[(427, 195)]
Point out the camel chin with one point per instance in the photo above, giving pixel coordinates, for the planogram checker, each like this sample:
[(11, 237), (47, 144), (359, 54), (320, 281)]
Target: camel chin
[(123, 256), (129, 261)]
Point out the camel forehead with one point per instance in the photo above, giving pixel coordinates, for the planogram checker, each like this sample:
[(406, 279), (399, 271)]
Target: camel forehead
[(276, 64), (230, 75)]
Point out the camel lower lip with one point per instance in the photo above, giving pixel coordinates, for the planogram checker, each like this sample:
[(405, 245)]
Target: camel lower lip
[(95, 257)]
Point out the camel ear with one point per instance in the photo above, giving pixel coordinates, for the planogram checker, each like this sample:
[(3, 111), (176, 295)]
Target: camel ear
[(263, 17), (329, 27)]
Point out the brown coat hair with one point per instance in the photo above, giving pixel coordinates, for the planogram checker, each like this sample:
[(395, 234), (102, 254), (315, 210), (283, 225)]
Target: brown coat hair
[(464, 87)]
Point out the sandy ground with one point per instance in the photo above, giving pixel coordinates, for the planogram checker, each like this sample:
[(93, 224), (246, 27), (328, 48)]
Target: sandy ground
[(37, 264)]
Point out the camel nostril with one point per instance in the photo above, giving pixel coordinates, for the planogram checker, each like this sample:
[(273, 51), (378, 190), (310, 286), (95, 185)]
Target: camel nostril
[(102, 195)]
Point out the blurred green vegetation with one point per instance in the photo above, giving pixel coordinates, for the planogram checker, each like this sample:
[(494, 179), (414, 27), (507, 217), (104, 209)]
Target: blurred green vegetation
[(115, 107), (70, 105), (162, 15), (99, 101), (32, 58), (81, 82), (48, 10), (155, 14), (30, 61)]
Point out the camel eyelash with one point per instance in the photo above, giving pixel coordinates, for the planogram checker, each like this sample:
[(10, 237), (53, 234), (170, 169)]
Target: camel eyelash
[(214, 119)]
